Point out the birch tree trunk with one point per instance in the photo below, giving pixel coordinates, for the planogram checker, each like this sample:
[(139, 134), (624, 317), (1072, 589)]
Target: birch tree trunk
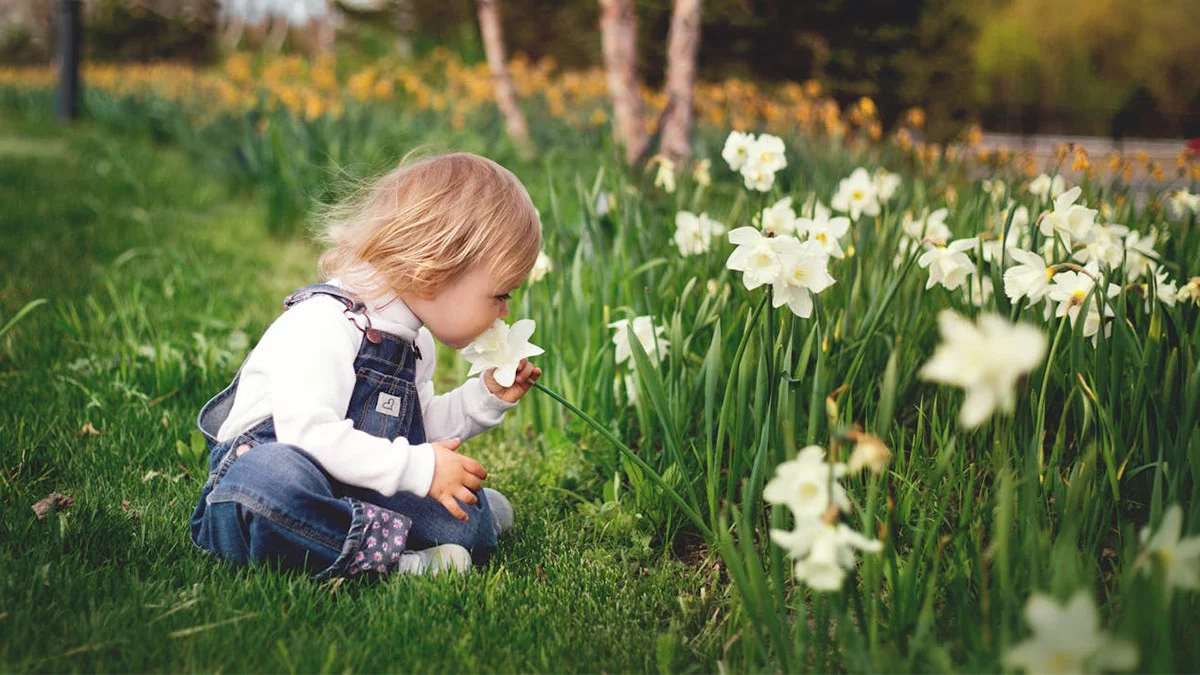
[(683, 44), (618, 38), (506, 95)]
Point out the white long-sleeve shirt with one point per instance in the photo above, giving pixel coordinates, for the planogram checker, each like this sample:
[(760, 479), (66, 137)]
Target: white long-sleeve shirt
[(302, 373)]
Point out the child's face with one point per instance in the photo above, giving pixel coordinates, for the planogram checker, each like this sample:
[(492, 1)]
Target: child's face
[(463, 310)]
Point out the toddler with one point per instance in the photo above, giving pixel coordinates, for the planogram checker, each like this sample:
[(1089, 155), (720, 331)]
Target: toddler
[(329, 450)]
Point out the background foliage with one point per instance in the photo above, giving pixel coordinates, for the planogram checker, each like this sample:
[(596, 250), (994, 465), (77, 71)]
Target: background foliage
[(1120, 67)]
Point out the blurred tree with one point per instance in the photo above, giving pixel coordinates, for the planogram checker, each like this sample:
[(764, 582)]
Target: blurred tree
[(937, 66), (684, 42), (145, 30), (1079, 62), (618, 33), (506, 95)]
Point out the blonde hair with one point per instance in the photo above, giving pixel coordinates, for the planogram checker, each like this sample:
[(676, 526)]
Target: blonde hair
[(427, 222)]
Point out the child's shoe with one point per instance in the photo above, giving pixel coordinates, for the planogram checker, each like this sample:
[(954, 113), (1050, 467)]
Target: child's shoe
[(502, 510), (436, 560)]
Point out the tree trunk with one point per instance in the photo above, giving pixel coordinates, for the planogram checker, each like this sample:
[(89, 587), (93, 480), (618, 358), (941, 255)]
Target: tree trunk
[(326, 29), (277, 34), (404, 15), (618, 36), (683, 43), (232, 30), (506, 95)]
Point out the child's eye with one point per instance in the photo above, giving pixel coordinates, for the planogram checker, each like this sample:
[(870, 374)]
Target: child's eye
[(504, 297)]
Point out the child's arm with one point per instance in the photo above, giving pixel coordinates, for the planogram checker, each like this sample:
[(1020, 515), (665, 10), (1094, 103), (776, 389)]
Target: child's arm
[(311, 377)]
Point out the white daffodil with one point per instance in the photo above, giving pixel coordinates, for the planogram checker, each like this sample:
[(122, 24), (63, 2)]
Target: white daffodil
[(1105, 244), (694, 234), (647, 334), (757, 177), (779, 219), (1029, 279), (992, 253), (737, 149), (502, 347), (541, 267), (1070, 220), (948, 265), (1044, 186), (767, 152), (1020, 218), (986, 359), (1180, 558), (1164, 289), (1190, 292), (1071, 289), (1018, 234), (856, 195), (756, 256), (825, 230), (823, 552), (886, 184), (804, 270), (604, 202), (1140, 256), (869, 453), (1182, 204), (803, 485), (932, 226), (665, 177), (1067, 639), (624, 384), (700, 172)]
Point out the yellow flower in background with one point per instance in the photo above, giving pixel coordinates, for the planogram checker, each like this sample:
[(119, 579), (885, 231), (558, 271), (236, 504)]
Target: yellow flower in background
[(915, 117), (1080, 162), (237, 68)]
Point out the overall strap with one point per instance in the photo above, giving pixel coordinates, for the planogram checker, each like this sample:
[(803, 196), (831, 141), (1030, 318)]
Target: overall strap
[(354, 306), (351, 302)]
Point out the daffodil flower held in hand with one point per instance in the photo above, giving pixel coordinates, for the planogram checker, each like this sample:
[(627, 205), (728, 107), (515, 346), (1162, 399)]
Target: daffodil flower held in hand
[(501, 354)]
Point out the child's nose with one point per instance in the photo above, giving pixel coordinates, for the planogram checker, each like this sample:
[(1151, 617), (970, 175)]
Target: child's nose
[(504, 309)]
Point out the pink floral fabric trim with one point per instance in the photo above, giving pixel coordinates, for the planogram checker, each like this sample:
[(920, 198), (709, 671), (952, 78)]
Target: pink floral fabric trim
[(384, 539)]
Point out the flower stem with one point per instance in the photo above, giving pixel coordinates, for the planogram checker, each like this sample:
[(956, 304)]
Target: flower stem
[(1041, 410), (683, 505)]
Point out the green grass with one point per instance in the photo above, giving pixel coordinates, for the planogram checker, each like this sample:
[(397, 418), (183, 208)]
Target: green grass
[(157, 281)]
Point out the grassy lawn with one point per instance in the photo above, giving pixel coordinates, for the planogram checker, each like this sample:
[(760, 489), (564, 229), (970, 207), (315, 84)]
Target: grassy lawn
[(157, 281)]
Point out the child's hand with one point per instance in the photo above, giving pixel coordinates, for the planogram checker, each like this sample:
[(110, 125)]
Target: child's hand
[(527, 374), (454, 476)]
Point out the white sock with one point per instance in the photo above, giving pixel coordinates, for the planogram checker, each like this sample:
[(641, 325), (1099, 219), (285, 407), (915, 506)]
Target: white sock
[(436, 560), (502, 510)]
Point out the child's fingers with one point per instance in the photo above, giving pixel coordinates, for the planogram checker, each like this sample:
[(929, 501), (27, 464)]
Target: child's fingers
[(526, 371), (473, 482), (466, 496), (474, 467), (453, 507)]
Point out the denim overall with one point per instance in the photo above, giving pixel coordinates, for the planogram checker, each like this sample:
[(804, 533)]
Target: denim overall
[(269, 501)]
